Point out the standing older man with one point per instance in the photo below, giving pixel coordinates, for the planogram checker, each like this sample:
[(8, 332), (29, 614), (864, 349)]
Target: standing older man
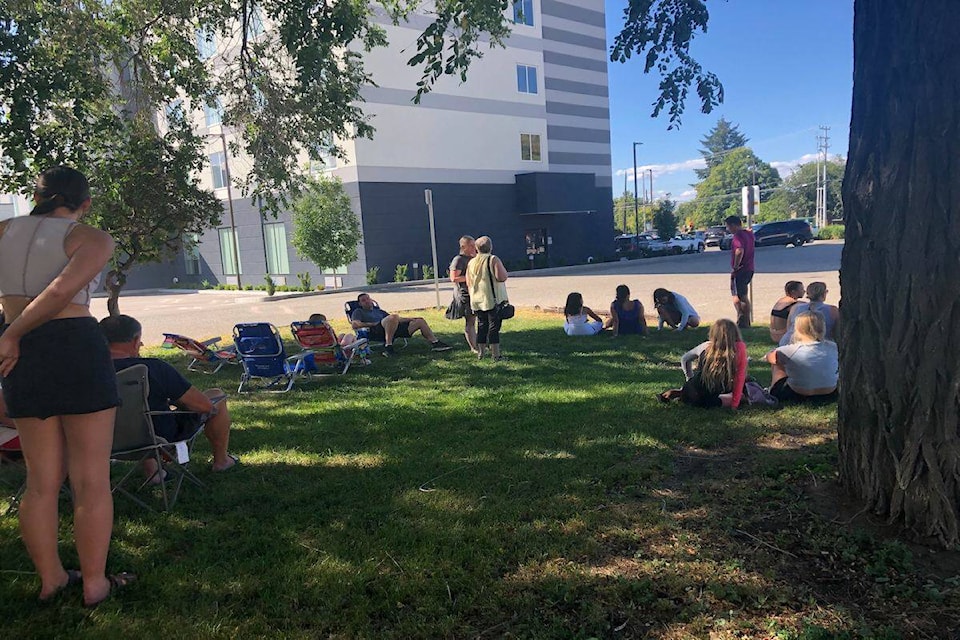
[(169, 388)]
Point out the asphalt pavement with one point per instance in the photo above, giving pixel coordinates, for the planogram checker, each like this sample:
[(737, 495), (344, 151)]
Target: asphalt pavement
[(703, 278)]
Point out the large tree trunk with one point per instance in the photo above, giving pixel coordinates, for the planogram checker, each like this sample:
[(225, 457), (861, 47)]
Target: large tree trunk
[(900, 342), (114, 284)]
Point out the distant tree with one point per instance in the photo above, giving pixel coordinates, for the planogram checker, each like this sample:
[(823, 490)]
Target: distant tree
[(800, 189), (723, 137), (718, 196), (664, 220), (326, 231), (147, 195)]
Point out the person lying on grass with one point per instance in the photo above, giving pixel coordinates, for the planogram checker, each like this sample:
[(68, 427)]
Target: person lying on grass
[(721, 372)]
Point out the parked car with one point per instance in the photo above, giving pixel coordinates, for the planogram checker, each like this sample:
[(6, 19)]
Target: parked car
[(687, 243), (713, 236), (631, 245), (783, 232)]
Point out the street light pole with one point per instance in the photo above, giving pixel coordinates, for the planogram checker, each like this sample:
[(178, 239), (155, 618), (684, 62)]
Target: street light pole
[(636, 204), (233, 224)]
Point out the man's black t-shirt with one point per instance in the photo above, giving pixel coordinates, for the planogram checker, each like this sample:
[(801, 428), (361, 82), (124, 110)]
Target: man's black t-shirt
[(167, 385)]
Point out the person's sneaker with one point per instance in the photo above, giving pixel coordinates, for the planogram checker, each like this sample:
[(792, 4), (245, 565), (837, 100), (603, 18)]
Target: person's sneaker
[(388, 351), (441, 346)]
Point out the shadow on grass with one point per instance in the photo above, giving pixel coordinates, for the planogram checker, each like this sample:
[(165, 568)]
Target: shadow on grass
[(433, 496)]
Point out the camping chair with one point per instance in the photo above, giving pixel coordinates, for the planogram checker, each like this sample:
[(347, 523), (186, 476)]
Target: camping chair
[(11, 458), (208, 356), (262, 355), (352, 305), (322, 348), (135, 441)]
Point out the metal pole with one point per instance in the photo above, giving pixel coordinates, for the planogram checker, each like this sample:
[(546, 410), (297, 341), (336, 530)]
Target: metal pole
[(428, 196), (636, 204), (624, 203), (233, 224), (651, 188)]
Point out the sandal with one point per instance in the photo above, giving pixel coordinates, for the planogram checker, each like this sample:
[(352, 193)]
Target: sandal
[(236, 463), (74, 578), (117, 581)]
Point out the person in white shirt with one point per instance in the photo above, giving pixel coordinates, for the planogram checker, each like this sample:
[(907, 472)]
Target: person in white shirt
[(580, 320), (808, 367), (674, 310)]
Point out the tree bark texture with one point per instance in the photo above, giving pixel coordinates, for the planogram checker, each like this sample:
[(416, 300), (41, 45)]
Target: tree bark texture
[(900, 336)]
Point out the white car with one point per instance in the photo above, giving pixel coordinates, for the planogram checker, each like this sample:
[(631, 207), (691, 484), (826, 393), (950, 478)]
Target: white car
[(686, 243)]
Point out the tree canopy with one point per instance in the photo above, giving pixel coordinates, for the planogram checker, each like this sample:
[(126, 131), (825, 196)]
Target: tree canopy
[(718, 195), (326, 231), (723, 137)]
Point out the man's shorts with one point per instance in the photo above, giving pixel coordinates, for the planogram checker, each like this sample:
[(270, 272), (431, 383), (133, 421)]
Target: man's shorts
[(377, 334), (739, 282)]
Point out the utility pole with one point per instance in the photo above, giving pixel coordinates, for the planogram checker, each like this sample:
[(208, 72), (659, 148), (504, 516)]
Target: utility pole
[(233, 224), (651, 185), (823, 149), (624, 204), (636, 203)]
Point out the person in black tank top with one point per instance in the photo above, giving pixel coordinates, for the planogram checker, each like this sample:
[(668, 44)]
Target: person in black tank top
[(793, 291)]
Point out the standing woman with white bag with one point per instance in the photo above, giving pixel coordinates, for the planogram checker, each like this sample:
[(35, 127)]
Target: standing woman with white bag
[(486, 281)]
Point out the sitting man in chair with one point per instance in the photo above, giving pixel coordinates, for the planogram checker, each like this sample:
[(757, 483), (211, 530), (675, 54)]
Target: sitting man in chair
[(384, 326), (169, 388)]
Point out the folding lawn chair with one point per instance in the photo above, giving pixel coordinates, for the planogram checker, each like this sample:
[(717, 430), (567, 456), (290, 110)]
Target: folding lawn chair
[(352, 305), (135, 441), (11, 464), (208, 356), (322, 348), (262, 355)]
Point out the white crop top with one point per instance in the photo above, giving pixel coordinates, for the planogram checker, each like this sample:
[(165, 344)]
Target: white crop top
[(32, 256)]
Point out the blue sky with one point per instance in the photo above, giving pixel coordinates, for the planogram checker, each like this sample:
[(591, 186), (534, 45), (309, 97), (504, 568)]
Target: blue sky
[(786, 67)]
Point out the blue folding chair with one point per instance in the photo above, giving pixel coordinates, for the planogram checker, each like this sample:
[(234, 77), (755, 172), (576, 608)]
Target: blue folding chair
[(262, 355)]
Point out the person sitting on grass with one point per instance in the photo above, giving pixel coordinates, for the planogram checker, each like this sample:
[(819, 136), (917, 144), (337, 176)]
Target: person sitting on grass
[(578, 318), (386, 327), (721, 372), (169, 388), (817, 295), (793, 291), (626, 315), (674, 310), (807, 368)]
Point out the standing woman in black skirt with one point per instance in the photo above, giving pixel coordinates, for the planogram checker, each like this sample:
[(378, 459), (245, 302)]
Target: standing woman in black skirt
[(58, 380)]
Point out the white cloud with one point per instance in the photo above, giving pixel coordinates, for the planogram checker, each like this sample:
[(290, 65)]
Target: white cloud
[(687, 195), (664, 169), (786, 167)]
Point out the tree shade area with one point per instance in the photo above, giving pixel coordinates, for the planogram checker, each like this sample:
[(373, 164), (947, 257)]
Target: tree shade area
[(549, 495)]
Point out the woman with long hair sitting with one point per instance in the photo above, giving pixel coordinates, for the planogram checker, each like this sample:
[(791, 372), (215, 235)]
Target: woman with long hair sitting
[(626, 315), (807, 368), (721, 372), (580, 320)]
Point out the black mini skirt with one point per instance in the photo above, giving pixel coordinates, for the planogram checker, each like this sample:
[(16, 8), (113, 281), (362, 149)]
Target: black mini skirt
[(64, 369)]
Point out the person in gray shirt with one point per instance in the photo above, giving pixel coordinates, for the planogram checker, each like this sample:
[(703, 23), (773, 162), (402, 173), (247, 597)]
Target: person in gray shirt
[(385, 327), (808, 367)]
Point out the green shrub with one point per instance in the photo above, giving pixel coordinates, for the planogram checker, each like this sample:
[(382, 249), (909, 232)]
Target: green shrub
[(373, 274), (306, 282), (206, 285), (401, 274), (831, 232), (271, 285), (427, 272)]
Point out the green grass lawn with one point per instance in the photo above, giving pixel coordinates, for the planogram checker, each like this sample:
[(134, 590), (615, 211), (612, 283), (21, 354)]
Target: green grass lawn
[(545, 496)]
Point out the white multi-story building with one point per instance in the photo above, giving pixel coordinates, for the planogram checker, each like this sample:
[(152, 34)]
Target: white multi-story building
[(519, 152)]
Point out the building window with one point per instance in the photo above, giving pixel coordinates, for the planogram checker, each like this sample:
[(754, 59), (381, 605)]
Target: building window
[(213, 115), (254, 23), (206, 43), (530, 147), (526, 79), (321, 155), (523, 12), (229, 261), (191, 254), (275, 243), (218, 170)]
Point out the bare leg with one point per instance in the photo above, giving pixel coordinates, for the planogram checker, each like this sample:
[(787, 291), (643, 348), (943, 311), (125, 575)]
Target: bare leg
[(470, 331), (419, 324), (390, 324), (217, 431), (693, 322), (44, 451), (672, 319), (778, 373), (89, 439)]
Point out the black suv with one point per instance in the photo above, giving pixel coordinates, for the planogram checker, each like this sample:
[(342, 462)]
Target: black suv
[(784, 232)]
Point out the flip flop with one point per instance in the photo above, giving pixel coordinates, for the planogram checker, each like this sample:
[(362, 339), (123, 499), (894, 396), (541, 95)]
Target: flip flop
[(74, 578), (118, 581), (236, 463)]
